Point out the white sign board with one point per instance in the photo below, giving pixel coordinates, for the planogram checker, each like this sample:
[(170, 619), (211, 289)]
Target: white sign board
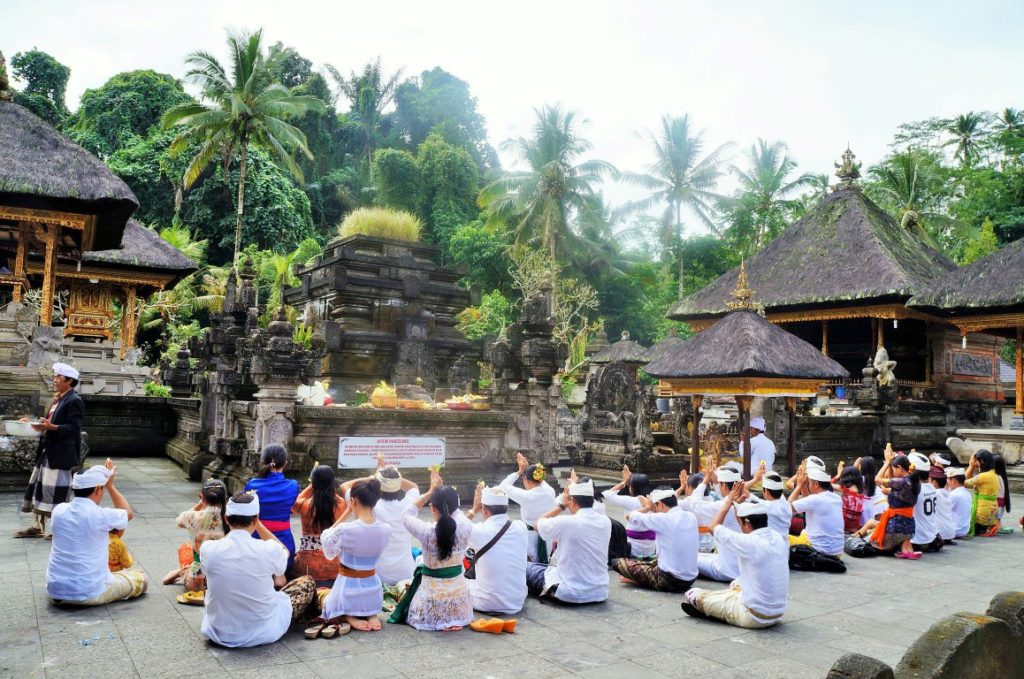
[(360, 452)]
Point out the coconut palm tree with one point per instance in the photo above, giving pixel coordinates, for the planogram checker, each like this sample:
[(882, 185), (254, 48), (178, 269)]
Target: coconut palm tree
[(278, 270), (909, 185), (179, 237), (368, 93), (766, 189), (967, 130), (681, 177), (244, 107), (538, 205)]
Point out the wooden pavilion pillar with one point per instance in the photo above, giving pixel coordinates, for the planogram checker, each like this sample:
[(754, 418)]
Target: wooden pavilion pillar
[(824, 338), (19, 261), (791, 437), (128, 321), (696, 400), (743, 403), (881, 334), (48, 234), (1019, 407)]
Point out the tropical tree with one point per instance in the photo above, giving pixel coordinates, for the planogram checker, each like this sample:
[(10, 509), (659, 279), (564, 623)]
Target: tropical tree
[(767, 185), (910, 186), (245, 107), (539, 204), (967, 130), (368, 93), (278, 270), (679, 178)]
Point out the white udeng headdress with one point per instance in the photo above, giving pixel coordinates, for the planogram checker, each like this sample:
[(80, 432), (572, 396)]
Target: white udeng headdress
[(494, 497), (244, 508), (659, 495), (94, 476), (582, 489), (389, 485)]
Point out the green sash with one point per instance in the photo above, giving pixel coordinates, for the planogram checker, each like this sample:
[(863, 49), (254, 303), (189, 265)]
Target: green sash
[(401, 612), (542, 550), (975, 496)]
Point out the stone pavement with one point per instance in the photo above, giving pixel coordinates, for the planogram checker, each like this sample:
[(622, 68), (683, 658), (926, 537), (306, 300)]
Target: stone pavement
[(878, 608)]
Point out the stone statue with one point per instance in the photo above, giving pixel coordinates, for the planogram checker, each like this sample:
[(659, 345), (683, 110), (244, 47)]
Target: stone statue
[(884, 367), (47, 345), (459, 378)]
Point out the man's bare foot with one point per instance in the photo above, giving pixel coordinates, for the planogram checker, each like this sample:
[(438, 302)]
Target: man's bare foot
[(171, 577), (456, 628), (375, 625), (358, 623)]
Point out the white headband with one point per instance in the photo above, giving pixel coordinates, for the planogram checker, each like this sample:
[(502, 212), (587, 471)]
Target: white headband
[(728, 475), (389, 485), (582, 489), (940, 460), (818, 474), (920, 462), (814, 461), (659, 495), (771, 484), (955, 471), (244, 508), (94, 476), (494, 497), (744, 509)]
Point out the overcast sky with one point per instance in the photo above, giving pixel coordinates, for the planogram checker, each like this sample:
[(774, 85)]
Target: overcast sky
[(813, 74)]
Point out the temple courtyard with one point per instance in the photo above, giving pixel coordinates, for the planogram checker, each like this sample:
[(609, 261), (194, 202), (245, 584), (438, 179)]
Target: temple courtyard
[(877, 608)]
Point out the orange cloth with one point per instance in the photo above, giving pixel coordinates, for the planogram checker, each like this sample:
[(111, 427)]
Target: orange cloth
[(878, 535), (118, 556), (353, 573), (704, 530)]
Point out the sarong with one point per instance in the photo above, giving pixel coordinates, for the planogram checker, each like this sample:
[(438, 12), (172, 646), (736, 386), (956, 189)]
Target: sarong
[(647, 574), (401, 612)]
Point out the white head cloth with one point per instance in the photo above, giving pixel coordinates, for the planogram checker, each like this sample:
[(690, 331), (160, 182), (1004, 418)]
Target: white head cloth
[(92, 477), (771, 483), (814, 461), (734, 465), (582, 489), (920, 462), (757, 423), (659, 495), (728, 475), (750, 508), (818, 474), (494, 497), (65, 370), (955, 471), (244, 508), (940, 460), (389, 485)]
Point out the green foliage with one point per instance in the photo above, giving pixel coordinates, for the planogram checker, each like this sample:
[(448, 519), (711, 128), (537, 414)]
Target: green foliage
[(303, 336), (984, 244), (46, 81), (397, 177), (483, 251), (493, 314), (448, 188), (381, 222), (288, 67), (277, 270), (368, 92), (152, 388)]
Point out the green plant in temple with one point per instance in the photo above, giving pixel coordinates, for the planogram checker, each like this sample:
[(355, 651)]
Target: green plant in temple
[(381, 222), (152, 388)]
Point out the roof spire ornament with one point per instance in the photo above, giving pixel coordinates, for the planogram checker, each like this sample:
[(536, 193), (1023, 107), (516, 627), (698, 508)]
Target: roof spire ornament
[(848, 172), (743, 295)]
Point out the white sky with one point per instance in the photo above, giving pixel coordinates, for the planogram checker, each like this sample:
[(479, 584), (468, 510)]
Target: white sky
[(813, 74)]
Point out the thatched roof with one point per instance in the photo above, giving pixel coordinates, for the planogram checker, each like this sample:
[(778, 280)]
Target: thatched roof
[(664, 347), (846, 251), (625, 350), (41, 168), (992, 284), (744, 344), (143, 249)]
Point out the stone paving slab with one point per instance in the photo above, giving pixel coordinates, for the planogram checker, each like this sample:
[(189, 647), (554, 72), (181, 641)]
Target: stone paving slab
[(877, 608)]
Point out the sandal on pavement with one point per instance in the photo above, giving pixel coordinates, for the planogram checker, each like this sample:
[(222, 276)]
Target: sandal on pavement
[(317, 629), (192, 598), (334, 628), (30, 532)]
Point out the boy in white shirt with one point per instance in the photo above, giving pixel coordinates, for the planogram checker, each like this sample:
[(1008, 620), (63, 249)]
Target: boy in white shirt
[(676, 533), (823, 512), (961, 501), (926, 519)]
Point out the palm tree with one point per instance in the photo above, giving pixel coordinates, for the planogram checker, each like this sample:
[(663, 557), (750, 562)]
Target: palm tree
[(1010, 119), (178, 236), (368, 93), (279, 269), (765, 189), (245, 107), (678, 178), (967, 130), (908, 185), (539, 204)]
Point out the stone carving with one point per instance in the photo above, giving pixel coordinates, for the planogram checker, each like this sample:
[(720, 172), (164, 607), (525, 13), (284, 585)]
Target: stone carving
[(526, 350), (615, 408), (459, 377), (47, 345), (884, 367), (972, 364)]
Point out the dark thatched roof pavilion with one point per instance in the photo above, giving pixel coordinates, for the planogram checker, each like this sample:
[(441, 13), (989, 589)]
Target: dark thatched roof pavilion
[(663, 347), (624, 350), (143, 250)]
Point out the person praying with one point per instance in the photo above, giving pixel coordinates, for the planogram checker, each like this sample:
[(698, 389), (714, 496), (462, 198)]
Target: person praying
[(642, 543), (926, 521), (675, 568), (535, 499), (277, 495), (695, 498), (580, 574), (499, 544), (823, 512), (961, 501), (77, 571), (397, 496), (762, 449), (242, 608), (780, 512), (721, 565), (981, 477)]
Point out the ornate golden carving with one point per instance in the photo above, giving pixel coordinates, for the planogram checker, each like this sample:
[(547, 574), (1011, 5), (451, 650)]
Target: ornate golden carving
[(88, 312), (129, 321), (848, 172), (49, 238), (71, 220), (743, 295), (732, 386), (995, 321), (65, 270), (886, 311)]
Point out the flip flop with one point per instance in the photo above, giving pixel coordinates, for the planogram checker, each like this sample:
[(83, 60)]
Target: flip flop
[(192, 598)]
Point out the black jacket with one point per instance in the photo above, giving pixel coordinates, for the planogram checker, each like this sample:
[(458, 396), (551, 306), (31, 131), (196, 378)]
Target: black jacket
[(63, 446)]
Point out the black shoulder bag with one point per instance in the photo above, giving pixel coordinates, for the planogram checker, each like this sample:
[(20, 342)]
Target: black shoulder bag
[(469, 562)]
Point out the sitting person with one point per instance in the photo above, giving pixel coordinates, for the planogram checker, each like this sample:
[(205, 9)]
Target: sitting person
[(355, 546), (876, 502), (318, 507), (397, 495), (242, 607), (981, 477), (535, 499), (118, 556), (823, 516), (77, 572), (696, 499), (892, 531), (961, 501), (642, 543), (438, 598), (675, 568), (277, 495), (926, 527), (780, 513), (851, 485), (758, 597), (943, 503), (721, 565), (581, 573), (205, 521), (1003, 496), (499, 560)]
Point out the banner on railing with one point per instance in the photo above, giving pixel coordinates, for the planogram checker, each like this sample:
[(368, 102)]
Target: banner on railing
[(362, 452)]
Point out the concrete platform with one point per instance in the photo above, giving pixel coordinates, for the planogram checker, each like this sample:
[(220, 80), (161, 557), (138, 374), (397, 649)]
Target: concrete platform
[(877, 608)]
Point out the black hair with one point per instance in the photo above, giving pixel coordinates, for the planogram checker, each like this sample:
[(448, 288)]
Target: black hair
[(445, 500), (366, 491), (869, 470), (922, 474), (639, 484), (215, 494), (671, 500), (695, 480), (757, 521), (273, 453), (529, 471), (391, 473), (961, 478), (84, 492), (236, 521), (497, 509), (772, 494), (999, 465), (940, 481), (73, 381), (825, 485), (325, 493), (903, 462), (986, 461), (728, 484), (852, 477)]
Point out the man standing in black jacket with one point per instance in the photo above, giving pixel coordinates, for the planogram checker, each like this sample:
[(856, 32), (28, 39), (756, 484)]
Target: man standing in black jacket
[(59, 451)]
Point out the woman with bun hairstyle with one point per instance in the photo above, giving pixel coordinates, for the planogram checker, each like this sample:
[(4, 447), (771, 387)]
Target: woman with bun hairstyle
[(277, 495)]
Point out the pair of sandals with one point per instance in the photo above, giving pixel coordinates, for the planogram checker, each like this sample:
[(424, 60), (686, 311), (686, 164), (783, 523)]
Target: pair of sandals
[(913, 556), (327, 629)]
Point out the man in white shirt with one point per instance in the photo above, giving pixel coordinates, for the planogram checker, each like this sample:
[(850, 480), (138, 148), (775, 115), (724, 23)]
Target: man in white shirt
[(535, 499), (761, 447), (926, 518), (758, 597), (780, 513), (695, 498), (242, 607), (500, 583), (961, 499), (722, 565), (823, 512), (675, 568), (943, 503), (77, 572), (580, 574)]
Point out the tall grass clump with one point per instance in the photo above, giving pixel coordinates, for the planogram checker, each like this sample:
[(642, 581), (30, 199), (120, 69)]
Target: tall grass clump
[(382, 222)]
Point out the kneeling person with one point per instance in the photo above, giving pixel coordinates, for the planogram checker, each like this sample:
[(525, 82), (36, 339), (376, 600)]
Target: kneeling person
[(677, 539), (500, 546), (78, 571), (242, 607), (758, 597)]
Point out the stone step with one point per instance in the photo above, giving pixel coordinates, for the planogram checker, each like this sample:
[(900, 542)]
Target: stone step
[(1015, 475)]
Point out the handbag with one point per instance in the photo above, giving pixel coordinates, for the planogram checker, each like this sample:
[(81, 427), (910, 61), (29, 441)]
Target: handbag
[(469, 561)]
